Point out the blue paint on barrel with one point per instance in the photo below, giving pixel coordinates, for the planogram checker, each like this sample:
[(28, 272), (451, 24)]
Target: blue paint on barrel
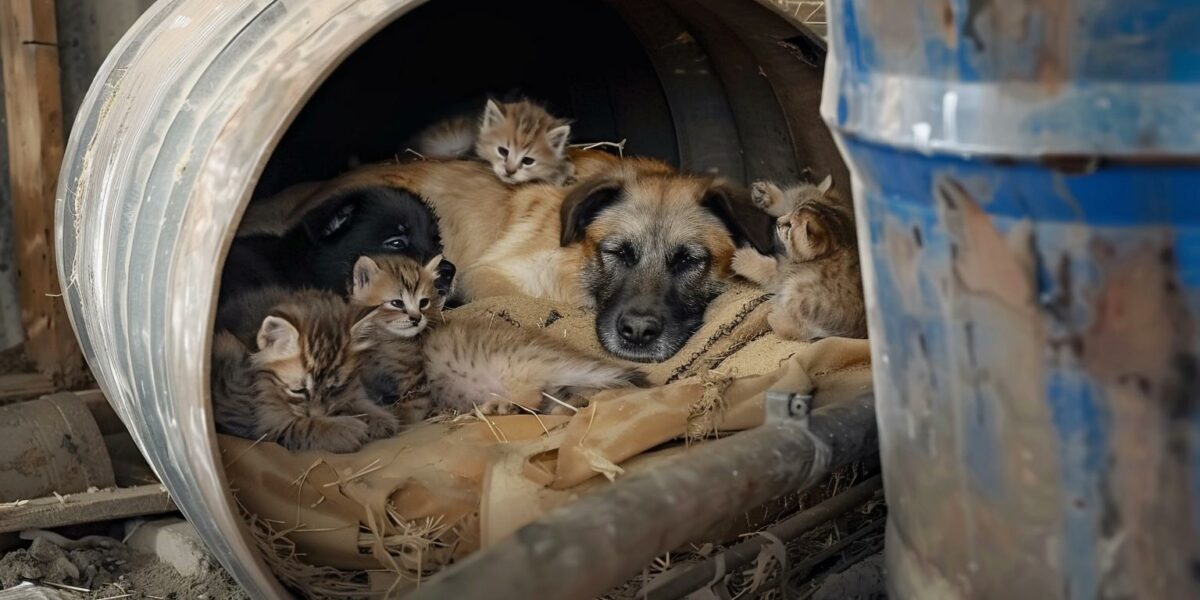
[(1027, 183)]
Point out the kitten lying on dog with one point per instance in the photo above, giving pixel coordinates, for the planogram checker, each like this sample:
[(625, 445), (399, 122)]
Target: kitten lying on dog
[(520, 140), (817, 287), (285, 370), (467, 364), (329, 238)]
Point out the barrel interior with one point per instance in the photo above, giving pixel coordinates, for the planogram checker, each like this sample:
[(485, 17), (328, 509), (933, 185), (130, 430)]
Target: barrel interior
[(682, 81), (724, 87)]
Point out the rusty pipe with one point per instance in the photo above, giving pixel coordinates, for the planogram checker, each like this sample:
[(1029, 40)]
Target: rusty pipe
[(590, 546)]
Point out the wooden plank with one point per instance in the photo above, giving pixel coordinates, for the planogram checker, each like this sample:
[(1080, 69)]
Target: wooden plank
[(24, 386), (88, 507), (33, 101)]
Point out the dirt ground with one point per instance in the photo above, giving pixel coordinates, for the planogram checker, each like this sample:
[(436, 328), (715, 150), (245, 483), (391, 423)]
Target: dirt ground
[(100, 567)]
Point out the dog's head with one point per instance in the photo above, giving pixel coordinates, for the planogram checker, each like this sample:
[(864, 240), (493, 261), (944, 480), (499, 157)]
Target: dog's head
[(657, 249), (376, 220)]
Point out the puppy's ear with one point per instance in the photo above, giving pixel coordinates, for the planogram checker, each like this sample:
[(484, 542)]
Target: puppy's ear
[(492, 114), (331, 217), (746, 223), (365, 271), (584, 202), (278, 339)]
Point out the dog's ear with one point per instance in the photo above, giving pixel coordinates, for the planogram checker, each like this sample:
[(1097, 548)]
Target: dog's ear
[(746, 223), (584, 202), (331, 217)]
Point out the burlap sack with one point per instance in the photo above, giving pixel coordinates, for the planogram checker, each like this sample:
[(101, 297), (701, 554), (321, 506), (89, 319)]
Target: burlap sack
[(406, 506)]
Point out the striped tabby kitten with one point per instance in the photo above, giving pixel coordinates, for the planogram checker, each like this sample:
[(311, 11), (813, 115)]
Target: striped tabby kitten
[(470, 364), (817, 287), (410, 299), (300, 386), (520, 140)]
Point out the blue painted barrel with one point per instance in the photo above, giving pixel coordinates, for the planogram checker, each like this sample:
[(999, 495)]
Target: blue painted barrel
[(1027, 185)]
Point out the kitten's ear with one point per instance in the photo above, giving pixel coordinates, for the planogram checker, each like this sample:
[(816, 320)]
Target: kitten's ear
[(557, 138), (492, 114), (826, 184), (747, 224), (278, 339), (443, 272), (584, 202), (366, 270)]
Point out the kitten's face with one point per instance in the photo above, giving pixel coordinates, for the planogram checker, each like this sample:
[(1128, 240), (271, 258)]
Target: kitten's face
[(802, 235), (311, 362), (522, 142), (407, 295)]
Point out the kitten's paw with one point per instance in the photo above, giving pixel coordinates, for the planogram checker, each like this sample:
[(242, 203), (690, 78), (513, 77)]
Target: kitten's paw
[(331, 434), (382, 425), (496, 406), (748, 263), (760, 194)]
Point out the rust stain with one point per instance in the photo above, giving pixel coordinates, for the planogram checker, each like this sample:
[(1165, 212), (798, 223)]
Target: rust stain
[(30, 463), (985, 261), (1138, 347), (1053, 53)]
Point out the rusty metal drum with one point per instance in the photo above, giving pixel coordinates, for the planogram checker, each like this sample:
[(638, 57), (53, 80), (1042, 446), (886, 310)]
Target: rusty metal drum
[(1027, 183), (55, 447)]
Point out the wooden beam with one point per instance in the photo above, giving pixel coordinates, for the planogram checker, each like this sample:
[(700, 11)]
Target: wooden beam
[(24, 386), (87, 507), (33, 102)]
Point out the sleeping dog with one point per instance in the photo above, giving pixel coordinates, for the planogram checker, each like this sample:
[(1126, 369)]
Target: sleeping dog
[(646, 247)]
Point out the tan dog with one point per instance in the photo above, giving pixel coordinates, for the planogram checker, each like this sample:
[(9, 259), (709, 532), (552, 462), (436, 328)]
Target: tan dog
[(644, 246)]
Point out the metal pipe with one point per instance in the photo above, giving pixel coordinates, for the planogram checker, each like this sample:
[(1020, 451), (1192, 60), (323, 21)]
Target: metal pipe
[(586, 548), (692, 578)]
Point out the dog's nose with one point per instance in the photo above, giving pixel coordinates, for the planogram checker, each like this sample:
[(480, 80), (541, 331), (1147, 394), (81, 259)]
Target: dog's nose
[(639, 328)]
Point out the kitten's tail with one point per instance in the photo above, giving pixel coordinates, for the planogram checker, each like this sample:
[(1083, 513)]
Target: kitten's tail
[(584, 373), (448, 139)]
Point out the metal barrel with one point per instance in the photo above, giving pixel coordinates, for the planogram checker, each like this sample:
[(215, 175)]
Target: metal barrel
[(1028, 201), (183, 120)]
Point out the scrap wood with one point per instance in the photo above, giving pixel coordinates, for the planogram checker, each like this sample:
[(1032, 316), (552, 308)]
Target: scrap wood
[(85, 507)]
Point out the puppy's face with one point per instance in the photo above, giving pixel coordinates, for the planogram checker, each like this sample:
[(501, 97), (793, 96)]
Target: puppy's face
[(657, 250), (368, 222)]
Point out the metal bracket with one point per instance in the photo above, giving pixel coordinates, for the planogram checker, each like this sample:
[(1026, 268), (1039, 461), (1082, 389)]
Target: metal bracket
[(787, 407)]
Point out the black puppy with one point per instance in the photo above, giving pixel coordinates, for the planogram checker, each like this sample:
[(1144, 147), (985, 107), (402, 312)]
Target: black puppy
[(321, 250)]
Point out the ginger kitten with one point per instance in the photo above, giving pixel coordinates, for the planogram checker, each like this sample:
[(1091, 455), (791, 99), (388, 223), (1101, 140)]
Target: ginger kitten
[(299, 385), (469, 364), (520, 140), (409, 298), (817, 287)]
